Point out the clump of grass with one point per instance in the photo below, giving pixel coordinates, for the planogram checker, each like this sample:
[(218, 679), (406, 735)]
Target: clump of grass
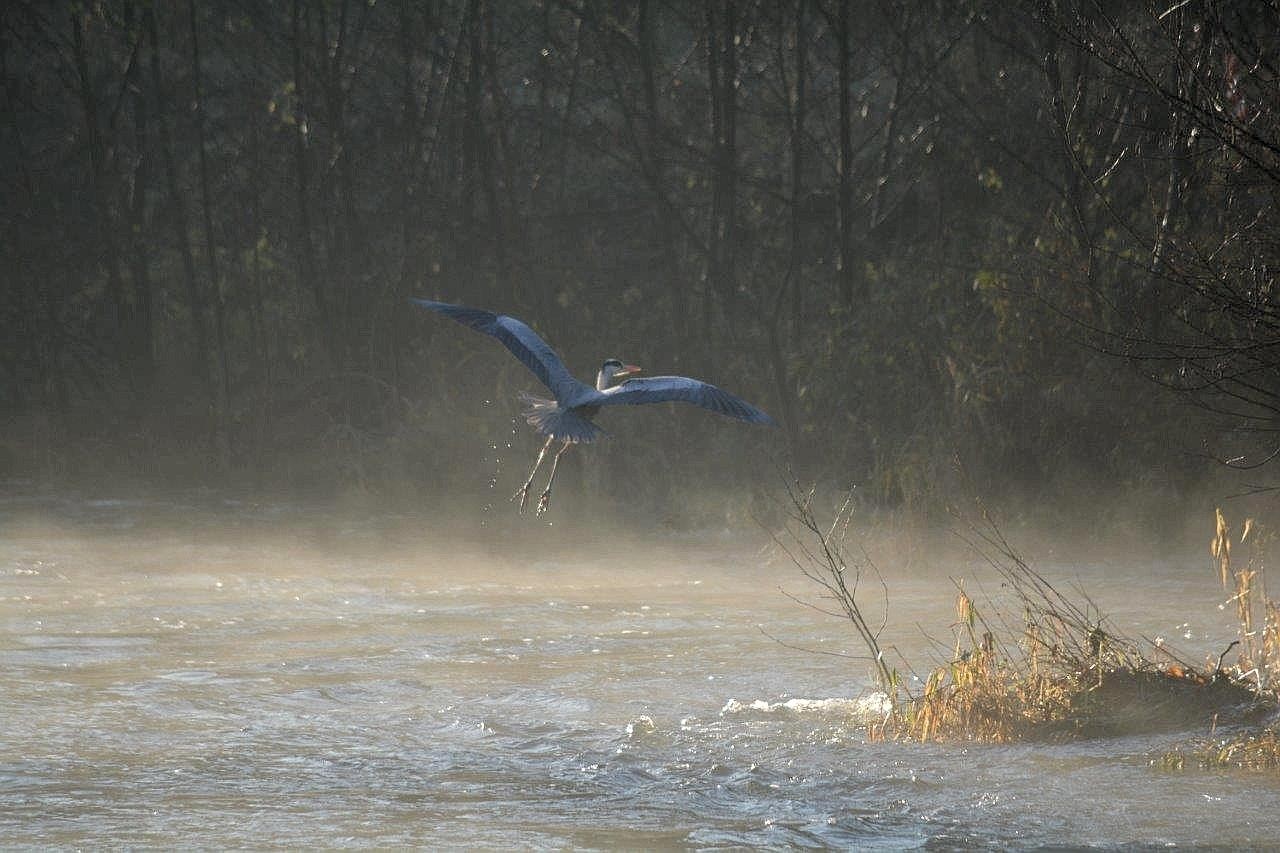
[(1038, 687), (1258, 750), (1061, 668), (1258, 657), (983, 693), (1257, 613)]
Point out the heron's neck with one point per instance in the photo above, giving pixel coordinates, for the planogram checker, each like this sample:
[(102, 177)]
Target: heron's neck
[(602, 381)]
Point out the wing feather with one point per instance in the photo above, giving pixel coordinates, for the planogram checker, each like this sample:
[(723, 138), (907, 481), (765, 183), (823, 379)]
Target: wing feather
[(523, 342), (682, 389)]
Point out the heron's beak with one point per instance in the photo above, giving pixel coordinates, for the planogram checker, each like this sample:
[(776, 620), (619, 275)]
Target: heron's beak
[(630, 370)]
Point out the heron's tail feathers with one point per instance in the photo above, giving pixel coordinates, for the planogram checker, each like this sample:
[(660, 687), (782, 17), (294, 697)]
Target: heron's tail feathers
[(549, 419)]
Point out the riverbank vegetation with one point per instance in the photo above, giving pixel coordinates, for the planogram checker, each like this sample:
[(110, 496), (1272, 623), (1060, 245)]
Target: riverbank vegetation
[(1037, 663), (1063, 669)]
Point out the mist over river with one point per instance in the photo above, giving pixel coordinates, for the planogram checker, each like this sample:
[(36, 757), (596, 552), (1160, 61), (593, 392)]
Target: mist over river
[(198, 671)]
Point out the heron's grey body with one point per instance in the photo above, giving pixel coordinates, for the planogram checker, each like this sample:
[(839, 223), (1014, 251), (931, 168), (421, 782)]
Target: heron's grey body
[(573, 425), (568, 416)]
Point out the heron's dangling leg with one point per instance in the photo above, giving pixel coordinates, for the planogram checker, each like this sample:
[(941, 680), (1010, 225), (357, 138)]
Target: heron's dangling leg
[(544, 500), (523, 494)]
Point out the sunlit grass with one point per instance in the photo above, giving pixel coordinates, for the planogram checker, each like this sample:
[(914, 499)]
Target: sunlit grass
[(1061, 669), (1258, 750), (1258, 664)]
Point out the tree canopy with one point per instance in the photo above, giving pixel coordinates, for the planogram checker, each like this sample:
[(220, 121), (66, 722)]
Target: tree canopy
[(913, 232)]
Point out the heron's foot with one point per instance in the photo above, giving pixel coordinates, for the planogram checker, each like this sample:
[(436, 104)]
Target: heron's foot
[(523, 497), (544, 502)]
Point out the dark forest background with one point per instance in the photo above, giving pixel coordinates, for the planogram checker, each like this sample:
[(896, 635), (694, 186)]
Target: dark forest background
[(1036, 238)]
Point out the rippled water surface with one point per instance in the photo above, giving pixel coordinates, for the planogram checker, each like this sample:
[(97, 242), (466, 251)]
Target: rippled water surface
[(214, 674)]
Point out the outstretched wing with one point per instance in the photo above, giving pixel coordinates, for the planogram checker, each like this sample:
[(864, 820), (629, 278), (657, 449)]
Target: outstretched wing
[(663, 389), (523, 342)]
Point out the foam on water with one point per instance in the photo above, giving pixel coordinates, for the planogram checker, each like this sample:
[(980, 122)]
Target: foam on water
[(873, 706)]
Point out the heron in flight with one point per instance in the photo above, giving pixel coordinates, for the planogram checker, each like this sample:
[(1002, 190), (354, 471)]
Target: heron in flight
[(568, 417)]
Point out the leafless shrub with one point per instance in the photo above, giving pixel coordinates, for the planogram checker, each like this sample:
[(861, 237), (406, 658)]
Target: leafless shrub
[(824, 555)]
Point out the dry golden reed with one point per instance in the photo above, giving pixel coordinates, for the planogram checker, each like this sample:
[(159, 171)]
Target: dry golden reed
[(1068, 673)]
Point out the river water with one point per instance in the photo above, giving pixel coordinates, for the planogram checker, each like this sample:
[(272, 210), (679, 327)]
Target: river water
[(199, 672)]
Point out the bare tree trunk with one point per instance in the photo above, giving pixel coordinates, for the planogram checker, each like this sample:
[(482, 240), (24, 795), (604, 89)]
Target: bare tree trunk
[(886, 158), (716, 277), (211, 248), (412, 149), (475, 160), (722, 72), (182, 233), (571, 101), (339, 237), (258, 314), (477, 148), (308, 267), (648, 79), (424, 158), (798, 107), (141, 321), (664, 215), (118, 309), (1155, 309), (53, 379), (499, 181), (471, 121), (729, 152), (45, 348), (781, 376), (257, 233), (348, 240), (845, 192)]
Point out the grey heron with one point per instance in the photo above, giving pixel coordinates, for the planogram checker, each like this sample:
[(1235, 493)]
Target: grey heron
[(568, 417)]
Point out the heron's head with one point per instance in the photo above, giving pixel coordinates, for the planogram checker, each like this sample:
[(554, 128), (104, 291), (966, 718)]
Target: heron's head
[(613, 372)]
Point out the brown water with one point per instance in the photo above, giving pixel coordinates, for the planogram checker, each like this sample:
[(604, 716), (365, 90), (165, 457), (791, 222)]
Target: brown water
[(203, 673)]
